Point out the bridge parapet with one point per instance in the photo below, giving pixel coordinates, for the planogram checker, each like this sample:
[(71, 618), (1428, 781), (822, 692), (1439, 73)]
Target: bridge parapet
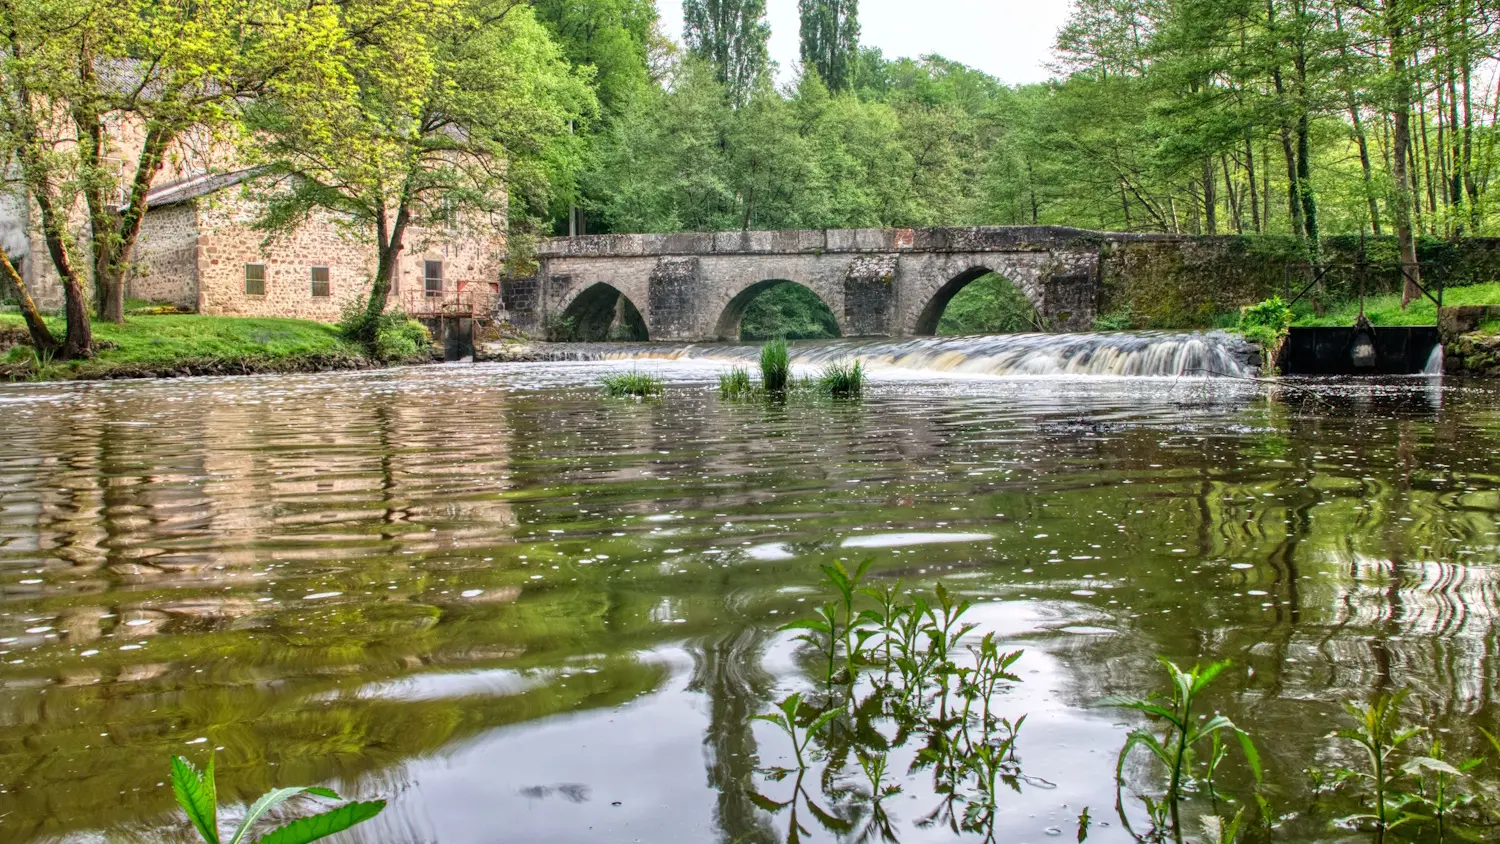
[(834, 241)]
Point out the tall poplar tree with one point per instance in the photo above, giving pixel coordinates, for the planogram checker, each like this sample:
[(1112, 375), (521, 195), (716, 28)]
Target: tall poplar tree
[(731, 35), (830, 39)]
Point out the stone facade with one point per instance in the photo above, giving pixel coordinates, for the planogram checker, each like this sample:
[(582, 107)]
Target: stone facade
[(165, 269)]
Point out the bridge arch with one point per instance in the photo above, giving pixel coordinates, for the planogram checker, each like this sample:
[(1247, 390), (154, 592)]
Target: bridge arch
[(600, 311), (931, 313), (733, 314)]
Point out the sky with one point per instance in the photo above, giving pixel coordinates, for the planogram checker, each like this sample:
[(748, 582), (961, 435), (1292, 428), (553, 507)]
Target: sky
[(1008, 39)]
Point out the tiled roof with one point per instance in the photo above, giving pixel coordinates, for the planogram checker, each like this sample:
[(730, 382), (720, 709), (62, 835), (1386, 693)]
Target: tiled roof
[(184, 190)]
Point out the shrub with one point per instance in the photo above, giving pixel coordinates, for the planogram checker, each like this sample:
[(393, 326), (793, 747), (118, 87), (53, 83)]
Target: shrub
[(633, 383), (735, 383), (197, 794), (1267, 323), (390, 337), (843, 380), (1121, 320), (775, 366)]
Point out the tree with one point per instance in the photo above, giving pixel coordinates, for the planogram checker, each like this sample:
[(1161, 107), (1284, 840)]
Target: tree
[(449, 113), (830, 39), (97, 96), (731, 36)]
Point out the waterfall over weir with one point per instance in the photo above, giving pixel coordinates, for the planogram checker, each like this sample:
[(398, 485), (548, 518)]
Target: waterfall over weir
[(1150, 353)]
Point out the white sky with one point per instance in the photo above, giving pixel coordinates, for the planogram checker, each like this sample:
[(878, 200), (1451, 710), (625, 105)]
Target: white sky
[(1008, 39)]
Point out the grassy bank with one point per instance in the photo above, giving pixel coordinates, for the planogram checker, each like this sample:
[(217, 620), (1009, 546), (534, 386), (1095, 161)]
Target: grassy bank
[(1386, 310), (165, 346)]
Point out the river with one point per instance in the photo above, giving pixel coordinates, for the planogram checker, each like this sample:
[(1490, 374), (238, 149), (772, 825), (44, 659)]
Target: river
[(521, 611)]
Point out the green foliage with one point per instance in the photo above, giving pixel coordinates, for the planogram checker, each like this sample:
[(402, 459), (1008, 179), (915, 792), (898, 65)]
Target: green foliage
[(1121, 320), (1386, 309), (1184, 734), (1266, 323), (830, 39), (889, 664), (843, 380), (731, 36), (195, 794), (735, 383), (989, 305), (397, 337), (632, 384), (789, 311), (775, 366)]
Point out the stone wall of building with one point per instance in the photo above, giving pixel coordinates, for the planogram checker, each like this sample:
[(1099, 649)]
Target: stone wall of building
[(164, 266), (228, 242)]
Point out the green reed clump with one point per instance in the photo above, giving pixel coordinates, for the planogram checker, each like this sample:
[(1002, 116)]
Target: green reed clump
[(196, 794), (633, 383), (735, 384), (843, 380), (775, 366)]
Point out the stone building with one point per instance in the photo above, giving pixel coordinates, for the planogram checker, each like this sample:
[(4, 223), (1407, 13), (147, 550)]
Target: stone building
[(198, 249)]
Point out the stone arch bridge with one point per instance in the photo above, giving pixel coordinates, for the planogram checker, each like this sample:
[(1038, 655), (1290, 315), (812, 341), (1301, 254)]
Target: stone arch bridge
[(877, 282)]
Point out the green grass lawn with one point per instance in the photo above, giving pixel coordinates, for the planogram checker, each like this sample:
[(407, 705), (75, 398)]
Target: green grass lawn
[(1386, 310), (144, 342)]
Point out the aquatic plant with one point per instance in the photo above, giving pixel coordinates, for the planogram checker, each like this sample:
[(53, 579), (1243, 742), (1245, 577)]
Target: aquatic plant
[(843, 380), (196, 794), (632, 383), (878, 651), (789, 711), (1183, 732), (735, 383), (1377, 730), (775, 366)]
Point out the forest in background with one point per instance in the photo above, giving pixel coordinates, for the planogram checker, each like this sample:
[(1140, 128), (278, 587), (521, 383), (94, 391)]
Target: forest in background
[(1295, 118)]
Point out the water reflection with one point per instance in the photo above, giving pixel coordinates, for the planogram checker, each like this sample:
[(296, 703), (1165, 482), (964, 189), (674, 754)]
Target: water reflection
[(497, 598)]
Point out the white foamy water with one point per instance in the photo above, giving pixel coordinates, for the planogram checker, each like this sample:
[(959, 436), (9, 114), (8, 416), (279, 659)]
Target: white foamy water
[(1117, 354)]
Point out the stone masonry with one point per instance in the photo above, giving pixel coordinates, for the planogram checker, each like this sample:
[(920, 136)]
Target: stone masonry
[(877, 282)]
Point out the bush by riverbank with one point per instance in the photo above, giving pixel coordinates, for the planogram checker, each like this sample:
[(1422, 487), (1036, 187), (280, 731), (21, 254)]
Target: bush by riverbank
[(183, 345)]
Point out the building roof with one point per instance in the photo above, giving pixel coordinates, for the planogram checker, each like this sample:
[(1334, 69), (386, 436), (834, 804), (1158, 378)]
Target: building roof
[(193, 187)]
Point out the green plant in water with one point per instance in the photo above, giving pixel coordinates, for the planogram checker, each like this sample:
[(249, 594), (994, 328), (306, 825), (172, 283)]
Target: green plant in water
[(1378, 731), (196, 794), (837, 624), (1184, 732), (843, 380), (787, 716), (775, 366), (735, 383), (633, 383)]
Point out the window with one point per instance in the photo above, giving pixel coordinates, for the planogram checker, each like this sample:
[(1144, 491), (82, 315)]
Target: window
[(320, 282), (432, 277), (255, 279)]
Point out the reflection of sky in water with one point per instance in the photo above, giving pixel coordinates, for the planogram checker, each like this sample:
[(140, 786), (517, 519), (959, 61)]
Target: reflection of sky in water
[(507, 603)]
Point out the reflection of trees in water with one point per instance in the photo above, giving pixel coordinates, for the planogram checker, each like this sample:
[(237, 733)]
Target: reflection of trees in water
[(727, 669)]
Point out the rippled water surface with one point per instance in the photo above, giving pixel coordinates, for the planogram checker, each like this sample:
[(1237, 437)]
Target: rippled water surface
[(523, 612)]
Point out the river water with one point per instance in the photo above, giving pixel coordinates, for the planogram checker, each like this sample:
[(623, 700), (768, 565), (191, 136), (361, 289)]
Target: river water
[(520, 611)]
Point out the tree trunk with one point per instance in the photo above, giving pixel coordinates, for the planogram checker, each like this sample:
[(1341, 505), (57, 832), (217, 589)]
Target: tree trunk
[(389, 245), (41, 336), (115, 236), (1401, 141), (1250, 173), (1210, 198)]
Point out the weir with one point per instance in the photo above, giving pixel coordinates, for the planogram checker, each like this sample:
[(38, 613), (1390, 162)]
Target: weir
[(1123, 354)]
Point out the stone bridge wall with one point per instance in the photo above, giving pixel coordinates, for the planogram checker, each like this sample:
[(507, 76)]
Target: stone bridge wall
[(896, 282)]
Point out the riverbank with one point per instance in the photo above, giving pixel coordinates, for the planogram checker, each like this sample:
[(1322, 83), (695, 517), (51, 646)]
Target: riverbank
[(1386, 309), (180, 345)]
